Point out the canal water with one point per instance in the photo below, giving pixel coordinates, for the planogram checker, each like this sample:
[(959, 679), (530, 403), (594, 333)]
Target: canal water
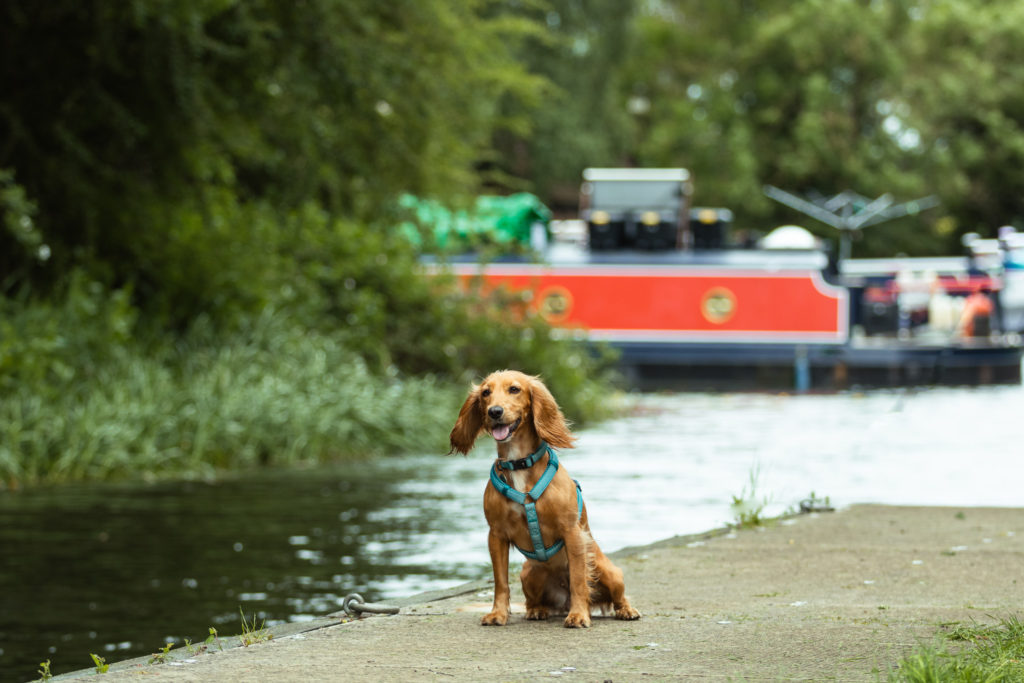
[(118, 570)]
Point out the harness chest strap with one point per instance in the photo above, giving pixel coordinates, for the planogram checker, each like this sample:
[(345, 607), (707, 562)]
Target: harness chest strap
[(539, 552)]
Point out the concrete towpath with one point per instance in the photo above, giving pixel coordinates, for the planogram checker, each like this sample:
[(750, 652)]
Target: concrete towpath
[(831, 596)]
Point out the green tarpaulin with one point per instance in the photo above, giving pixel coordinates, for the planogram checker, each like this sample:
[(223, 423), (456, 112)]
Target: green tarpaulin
[(492, 220)]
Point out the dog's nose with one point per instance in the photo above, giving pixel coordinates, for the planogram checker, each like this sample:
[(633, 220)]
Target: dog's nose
[(495, 412)]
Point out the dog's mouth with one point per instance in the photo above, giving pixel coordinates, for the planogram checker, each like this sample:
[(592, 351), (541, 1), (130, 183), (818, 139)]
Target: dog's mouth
[(504, 432)]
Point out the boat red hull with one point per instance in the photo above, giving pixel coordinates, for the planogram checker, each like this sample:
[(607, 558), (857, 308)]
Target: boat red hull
[(673, 303)]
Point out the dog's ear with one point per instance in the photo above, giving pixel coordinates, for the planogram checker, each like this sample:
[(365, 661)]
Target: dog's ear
[(548, 420), (469, 424)]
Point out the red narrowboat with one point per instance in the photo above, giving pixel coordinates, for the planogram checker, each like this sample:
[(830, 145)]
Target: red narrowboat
[(690, 305)]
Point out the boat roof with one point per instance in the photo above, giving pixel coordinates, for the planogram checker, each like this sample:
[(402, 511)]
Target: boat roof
[(869, 267), (727, 258), (633, 174), (741, 259)]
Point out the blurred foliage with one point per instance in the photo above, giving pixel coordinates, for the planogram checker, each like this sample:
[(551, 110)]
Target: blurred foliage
[(196, 255), (137, 127), (147, 123), (800, 95), (583, 120), (911, 97), (88, 397), (960, 94), (82, 400), (19, 233)]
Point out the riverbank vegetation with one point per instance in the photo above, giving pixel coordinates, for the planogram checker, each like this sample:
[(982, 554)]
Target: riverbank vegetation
[(199, 266), (992, 652), (93, 390)]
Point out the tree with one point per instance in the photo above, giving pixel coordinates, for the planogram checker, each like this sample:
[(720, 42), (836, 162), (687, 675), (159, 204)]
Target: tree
[(795, 94), (582, 119), (162, 142), (962, 94)]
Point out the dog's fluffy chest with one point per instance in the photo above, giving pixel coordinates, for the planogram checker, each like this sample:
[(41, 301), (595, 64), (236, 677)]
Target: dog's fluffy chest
[(518, 480)]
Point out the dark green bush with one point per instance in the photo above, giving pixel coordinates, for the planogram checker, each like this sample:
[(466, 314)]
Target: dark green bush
[(347, 350), (370, 282)]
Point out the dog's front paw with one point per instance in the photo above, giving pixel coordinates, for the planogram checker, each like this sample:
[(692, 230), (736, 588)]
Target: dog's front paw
[(495, 618), (577, 620), (537, 613), (627, 613)]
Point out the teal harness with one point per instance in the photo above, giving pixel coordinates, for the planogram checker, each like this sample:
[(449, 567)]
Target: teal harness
[(539, 552)]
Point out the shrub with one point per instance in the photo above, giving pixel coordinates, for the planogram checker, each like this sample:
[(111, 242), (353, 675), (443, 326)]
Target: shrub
[(331, 370)]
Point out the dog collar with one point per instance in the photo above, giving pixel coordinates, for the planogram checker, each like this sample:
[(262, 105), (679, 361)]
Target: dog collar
[(528, 461)]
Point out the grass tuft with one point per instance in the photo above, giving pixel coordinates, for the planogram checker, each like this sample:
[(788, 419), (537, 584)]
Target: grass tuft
[(100, 663), (748, 507), (989, 654), (161, 656), (251, 633)]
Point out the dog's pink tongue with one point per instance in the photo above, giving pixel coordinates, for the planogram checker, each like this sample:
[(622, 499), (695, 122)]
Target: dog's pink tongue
[(500, 432)]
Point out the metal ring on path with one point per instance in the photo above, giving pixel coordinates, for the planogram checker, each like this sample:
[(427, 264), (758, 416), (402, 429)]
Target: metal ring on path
[(354, 606)]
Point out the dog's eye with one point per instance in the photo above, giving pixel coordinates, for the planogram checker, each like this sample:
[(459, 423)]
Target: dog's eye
[(514, 390), (485, 393)]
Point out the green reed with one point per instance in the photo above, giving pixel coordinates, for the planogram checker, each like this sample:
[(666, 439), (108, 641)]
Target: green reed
[(991, 653), (275, 394)]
